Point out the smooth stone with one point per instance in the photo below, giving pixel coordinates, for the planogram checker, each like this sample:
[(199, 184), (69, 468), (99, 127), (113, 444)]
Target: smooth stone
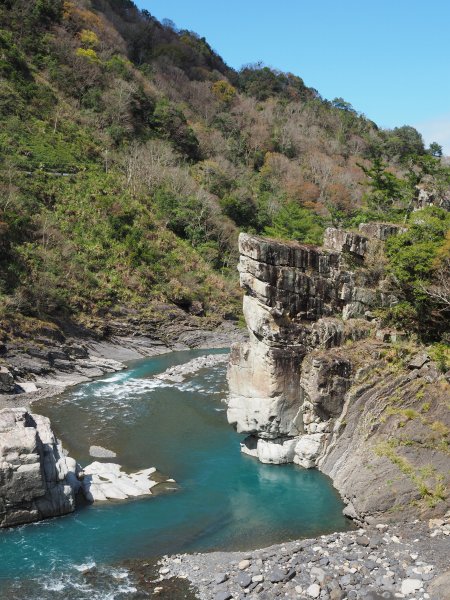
[(276, 451), (244, 580), (107, 481), (410, 586), (100, 452), (313, 591), (318, 574), (223, 596), (276, 576), (244, 564), (362, 540)]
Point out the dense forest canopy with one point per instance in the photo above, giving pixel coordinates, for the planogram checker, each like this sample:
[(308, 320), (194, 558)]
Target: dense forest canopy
[(132, 156)]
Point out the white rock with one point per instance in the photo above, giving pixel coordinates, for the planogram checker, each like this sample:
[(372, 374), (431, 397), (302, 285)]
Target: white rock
[(313, 591), (178, 373), (244, 564), (263, 380), (28, 386), (107, 481), (100, 452), (277, 451), (307, 450), (37, 479), (410, 586)]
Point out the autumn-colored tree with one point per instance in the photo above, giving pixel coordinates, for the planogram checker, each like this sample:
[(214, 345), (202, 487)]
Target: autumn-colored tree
[(224, 91), (88, 39)]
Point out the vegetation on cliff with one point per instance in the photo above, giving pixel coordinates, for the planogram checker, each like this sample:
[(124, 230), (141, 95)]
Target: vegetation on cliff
[(132, 155)]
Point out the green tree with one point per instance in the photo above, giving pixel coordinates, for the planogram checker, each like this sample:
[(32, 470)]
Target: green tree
[(412, 257), (435, 149), (242, 210), (171, 123), (384, 186), (342, 105), (402, 142), (293, 222)]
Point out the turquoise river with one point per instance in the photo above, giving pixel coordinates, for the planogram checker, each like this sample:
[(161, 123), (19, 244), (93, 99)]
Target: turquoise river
[(224, 500)]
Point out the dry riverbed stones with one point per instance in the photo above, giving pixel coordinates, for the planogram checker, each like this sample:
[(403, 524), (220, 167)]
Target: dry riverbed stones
[(379, 563)]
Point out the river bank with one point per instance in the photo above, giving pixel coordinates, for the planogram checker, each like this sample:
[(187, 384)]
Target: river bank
[(395, 561), (44, 366)]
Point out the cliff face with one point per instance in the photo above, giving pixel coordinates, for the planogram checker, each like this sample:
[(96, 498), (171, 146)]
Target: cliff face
[(295, 299), (37, 480), (309, 380)]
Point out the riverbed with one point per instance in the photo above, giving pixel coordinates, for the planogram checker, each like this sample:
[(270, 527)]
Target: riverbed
[(222, 500)]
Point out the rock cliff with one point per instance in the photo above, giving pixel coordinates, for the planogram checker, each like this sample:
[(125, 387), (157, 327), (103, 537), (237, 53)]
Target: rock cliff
[(314, 384), (37, 479)]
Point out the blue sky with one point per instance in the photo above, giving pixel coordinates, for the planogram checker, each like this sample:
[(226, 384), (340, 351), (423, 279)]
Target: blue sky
[(390, 59)]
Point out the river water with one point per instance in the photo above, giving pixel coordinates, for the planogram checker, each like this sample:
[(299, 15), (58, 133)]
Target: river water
[(223, 501)]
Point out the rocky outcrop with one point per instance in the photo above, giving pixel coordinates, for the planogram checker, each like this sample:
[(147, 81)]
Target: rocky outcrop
[(40, 361), (380, 231), (318, 386), (178, 373), (107, 481), (294, 297), (37, 479), (7, 383), (293, 293)]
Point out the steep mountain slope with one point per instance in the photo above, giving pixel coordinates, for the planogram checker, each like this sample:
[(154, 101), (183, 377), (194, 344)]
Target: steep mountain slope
[(132, 156)]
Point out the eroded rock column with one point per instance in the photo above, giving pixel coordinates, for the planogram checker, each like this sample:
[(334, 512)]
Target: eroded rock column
[(37, 479), (289, 288)]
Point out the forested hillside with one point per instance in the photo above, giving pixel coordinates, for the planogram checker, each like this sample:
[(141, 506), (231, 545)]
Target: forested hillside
[(132, 156)]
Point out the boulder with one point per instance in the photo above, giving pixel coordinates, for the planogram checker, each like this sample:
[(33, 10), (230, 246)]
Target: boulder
[(100, 452), (7, 384), (418, 361), (37, 479), (277, 451), (308, 449), (107, 481)]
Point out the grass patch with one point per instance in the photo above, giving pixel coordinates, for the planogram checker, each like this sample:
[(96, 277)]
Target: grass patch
[(428, 482)]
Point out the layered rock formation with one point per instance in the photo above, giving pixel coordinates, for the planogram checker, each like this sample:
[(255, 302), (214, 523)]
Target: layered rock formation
[(37, 479), (294, 297), (311, 386)]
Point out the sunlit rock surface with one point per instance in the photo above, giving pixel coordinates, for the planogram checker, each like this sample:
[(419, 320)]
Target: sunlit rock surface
[(107, 481), (37, 479), (295, 299)]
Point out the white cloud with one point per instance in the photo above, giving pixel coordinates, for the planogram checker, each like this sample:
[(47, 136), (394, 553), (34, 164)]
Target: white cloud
[(436, 130)]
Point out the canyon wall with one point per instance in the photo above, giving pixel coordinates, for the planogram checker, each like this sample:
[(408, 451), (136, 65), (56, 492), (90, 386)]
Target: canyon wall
[(305, 387)]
